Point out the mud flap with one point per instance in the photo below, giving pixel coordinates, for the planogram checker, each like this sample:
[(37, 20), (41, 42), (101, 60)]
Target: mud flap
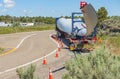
[(90, 18)]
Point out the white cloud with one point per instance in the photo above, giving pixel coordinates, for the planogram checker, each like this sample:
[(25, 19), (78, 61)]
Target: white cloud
[(9, 3), (27, 12)]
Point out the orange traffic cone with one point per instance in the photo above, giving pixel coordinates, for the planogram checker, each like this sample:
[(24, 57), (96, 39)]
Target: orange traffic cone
[(62, 45), (56, 55), (50, 74), (44, 61), (58, 48)]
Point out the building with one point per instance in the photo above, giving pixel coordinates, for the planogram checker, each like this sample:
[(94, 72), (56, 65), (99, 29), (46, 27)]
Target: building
[(26, 24), (3, 24)]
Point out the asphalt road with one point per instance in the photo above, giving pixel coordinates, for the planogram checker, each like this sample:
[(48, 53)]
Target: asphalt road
[(32, 48)]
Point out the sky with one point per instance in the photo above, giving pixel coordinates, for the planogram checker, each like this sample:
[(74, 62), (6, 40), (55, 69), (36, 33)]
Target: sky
[(54, 8)]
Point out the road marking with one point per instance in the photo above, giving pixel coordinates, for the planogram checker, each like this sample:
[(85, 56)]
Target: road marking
[(33, 60), (10, 51), (24, 40), (13, 49)]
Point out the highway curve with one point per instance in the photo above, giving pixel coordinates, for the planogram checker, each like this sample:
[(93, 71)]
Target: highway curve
[(30, 46)]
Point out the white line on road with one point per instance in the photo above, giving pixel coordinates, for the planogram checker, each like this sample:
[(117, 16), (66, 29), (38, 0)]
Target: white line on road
[(23, 40), (12, 50), (33, 60)]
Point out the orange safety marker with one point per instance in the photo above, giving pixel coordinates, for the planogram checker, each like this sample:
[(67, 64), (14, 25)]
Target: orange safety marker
[(58, 48), (56, 55), (50, 74), (58, 41), (44, 61), (62, 45)]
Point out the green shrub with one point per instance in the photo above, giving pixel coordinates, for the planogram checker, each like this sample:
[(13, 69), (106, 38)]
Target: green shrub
[(113, 22), (26, 73), (99, 64), (1, 50)]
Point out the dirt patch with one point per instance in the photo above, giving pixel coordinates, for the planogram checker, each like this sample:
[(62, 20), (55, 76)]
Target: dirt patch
[(116, 51)]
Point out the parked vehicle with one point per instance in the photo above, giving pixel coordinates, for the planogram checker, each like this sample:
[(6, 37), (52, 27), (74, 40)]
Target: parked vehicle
[(77, 30)]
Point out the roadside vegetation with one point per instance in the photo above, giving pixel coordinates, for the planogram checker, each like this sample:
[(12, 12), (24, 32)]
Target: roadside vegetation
[(26, 19), (27, 73), (7, 30), (40, 23), (99, 64), (109, 31), (114, 42), (110, 26), (1, 50)]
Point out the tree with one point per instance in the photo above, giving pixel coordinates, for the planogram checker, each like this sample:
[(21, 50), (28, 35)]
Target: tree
[(37, 19), (102, 14)]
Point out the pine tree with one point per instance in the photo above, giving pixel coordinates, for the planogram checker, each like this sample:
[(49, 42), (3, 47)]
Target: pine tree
[(102, 14)]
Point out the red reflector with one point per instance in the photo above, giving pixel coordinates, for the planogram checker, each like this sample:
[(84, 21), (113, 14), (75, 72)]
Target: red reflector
[(82, 4), (95, 38)]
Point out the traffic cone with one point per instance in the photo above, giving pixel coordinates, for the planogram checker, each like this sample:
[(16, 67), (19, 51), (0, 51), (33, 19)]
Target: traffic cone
[(56, 55), (62, 45), (44, 61), (58, 41), (58, 48), (50, 74)]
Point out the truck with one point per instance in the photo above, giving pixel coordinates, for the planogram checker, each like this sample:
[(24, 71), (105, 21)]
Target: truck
[(79, 31)]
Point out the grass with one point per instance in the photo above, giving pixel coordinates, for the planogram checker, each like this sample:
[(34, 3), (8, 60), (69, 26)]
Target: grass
[(115, 41), (1, 50), (8, 30), (111, 41)]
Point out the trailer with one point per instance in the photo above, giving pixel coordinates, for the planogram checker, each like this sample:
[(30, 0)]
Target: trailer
[(78, 31)]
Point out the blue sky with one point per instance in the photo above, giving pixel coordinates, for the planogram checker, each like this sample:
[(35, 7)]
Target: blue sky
[(53, 8)]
